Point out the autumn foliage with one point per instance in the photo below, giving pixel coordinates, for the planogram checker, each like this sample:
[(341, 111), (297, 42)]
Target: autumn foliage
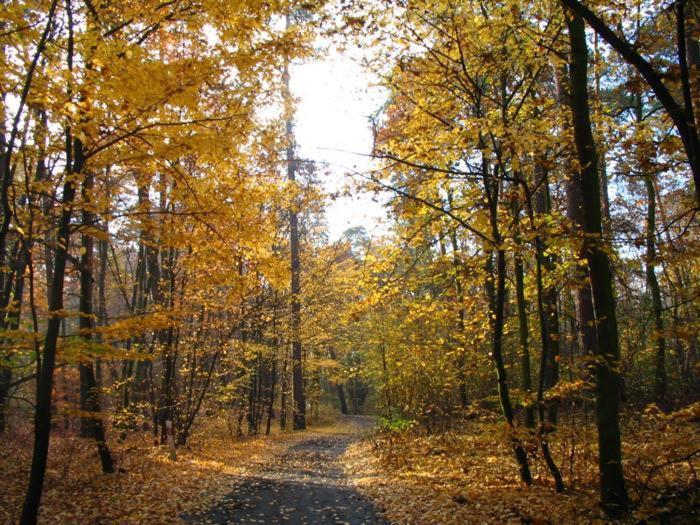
[(525, 330)]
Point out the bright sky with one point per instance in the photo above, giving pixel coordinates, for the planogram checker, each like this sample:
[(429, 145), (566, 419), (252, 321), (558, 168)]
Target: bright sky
[(336, 98)]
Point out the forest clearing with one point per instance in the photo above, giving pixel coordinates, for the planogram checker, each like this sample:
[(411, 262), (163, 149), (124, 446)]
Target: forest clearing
[(349, 261)]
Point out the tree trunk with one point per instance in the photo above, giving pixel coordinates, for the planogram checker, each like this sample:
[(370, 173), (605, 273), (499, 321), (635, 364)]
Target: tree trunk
[(549, 294), (340, 389), (545, 369), (5, 380), (90, 423), (11, 322), (284, 385), (498, 302), (42, 420), (655, 292), (607, 351), (459, 291), (271, 394), (660, 379), (299, 415), (523, 330)]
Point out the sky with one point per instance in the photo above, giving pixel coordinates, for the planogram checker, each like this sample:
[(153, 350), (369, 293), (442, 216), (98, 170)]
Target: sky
[(335, 99)]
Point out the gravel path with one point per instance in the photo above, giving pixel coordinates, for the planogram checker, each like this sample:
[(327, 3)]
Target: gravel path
[(304, 485)]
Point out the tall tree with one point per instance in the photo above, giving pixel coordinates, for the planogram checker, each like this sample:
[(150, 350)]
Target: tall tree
[(607, 348), (91, 420), (299, 416)]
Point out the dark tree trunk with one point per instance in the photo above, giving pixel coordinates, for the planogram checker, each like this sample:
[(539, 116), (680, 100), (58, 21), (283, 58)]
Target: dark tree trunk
[(5, 380), (545, 369), (549, 294), (11, 322), (498, 301), (339, 388), (253, 397), (523, 331), (341, 397), (459, 291), (90, 423), (660, 379), (271, 394), (545, 372), (42, 420), (299, 415), (655, 292), (607, 350), (284, 385), (7, 173)]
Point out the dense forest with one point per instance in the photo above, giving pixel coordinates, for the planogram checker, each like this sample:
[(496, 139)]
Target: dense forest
[(518, 345)]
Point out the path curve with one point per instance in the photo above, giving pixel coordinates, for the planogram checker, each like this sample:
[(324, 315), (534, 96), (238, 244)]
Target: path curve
[(305, 485)]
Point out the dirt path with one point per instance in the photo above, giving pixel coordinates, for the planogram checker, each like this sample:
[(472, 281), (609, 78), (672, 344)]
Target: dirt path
[(303, 485)]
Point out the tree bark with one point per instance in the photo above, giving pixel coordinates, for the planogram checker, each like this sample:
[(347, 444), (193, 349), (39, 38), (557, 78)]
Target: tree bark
[(271, 393), (607, 350), (459, 291), (91, 424), (550, 294), (299, 415), (42, 420), (284, 385), (498, 301), (660, 380), (523, 330), (653, 287)]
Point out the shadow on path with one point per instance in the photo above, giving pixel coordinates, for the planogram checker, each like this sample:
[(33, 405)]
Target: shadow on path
[(305, 485)]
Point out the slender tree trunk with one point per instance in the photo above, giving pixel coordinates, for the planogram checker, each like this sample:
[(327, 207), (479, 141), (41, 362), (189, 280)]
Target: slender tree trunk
[(42, 421), (655, 292), (5, 380), (545, 324), (11, 321), (91, 425), (523, 330), (549, 294), (339, 388), (284, 385), (459, 291), (498, 296), (271, 395), (85, 368), (650, 267), (299, 415), (612, 482), (7, 173), (75, 160), (545, 370)]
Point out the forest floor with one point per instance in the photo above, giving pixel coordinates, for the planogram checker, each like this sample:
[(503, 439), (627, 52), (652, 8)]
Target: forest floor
[(468, 475), (344, 473), (291, 478)]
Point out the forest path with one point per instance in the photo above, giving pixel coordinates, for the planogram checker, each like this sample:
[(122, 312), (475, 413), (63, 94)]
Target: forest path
[(304, 485)]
